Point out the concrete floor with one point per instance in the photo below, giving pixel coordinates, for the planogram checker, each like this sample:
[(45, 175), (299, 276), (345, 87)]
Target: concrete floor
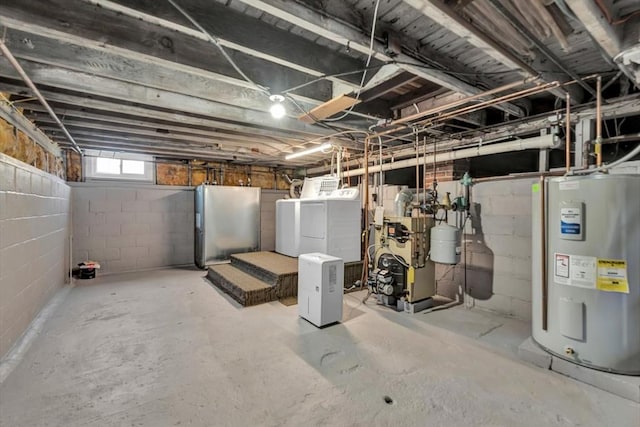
[(164, 348)]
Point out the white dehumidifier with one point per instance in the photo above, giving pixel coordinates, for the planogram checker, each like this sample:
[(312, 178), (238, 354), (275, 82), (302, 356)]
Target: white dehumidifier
[(320, 288)]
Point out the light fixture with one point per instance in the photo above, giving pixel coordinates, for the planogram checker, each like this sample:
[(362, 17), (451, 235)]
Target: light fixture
[(317, 149), (277, 110)]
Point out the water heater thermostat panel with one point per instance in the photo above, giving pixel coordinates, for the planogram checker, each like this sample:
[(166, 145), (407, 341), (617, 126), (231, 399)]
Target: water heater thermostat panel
[(571, 221)]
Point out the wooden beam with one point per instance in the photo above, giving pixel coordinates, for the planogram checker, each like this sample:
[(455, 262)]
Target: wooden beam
[(608, 37), (132, 93), (344, 34), (157, 130), (81, 23), (149, 72), (329, 108), (63, 102), (230, 29), (444, 15)]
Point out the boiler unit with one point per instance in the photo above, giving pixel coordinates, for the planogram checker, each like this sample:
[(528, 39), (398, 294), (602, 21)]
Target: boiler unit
[(320, 288), (331, 225), (586, 270), (227, 221), (400, 274)]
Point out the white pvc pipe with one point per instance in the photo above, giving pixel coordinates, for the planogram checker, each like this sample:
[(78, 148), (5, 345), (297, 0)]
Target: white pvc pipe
[(542, 141)]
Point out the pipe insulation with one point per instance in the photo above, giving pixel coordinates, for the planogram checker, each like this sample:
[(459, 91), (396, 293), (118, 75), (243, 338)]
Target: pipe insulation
[(537, 142)]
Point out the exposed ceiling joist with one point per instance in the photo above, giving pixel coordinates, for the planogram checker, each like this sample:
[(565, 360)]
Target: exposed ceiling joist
[(87, 25), (229, 27), (132, 93), (446, 16), (343, 34), (63, 102)]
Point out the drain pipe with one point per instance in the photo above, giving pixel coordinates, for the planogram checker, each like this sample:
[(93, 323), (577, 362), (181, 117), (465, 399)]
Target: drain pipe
[(12, 60)]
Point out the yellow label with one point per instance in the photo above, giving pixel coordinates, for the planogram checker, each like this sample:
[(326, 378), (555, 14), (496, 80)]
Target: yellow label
[(612, 275), (598, 148), (411, 275), (535, 188)]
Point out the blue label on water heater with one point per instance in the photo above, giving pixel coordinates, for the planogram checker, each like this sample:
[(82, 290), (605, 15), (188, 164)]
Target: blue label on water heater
[(571, 221)]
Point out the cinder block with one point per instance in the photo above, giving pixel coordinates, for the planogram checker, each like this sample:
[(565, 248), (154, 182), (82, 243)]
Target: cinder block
[(152, 262), (498, 224), (498, 303), (153, 240), (80, 256), (46, 186), (80, 207), (92, 242), (81, 231), (522, 308), (121, 265), (508, 205), (106, 254), (523, 225), (134, 252), (106, 205), (4, 208), (108, 230), (120, 194), (86, 193), (134, 229), (7, 177), (509, 245), (154, 194), (36, 183), (136, 206), (90, 218), (127, 241), (23, 181), (120, 218), (519, 268), (510, 286), (153, 219)]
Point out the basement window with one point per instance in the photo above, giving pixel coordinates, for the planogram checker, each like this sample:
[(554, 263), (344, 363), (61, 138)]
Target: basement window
[(108, 165)]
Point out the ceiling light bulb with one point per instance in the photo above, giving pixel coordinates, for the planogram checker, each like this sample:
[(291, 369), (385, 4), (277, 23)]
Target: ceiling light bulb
[(277, 110)]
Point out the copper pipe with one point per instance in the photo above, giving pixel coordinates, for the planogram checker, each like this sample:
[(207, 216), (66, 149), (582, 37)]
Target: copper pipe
[(598, 146), (567, 142), (543, 254), (460, 102), (472, 108)]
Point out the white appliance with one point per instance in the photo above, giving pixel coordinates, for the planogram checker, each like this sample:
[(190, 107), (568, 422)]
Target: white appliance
[(332, 225), (320, 288), (288, 227)]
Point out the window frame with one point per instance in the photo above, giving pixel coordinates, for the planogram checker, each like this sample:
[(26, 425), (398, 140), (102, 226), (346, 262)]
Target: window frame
[(92, 174)]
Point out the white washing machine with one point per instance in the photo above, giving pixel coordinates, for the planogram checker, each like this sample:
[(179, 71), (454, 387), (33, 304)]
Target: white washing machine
[(288, 227), (332, 225), (320, 288)]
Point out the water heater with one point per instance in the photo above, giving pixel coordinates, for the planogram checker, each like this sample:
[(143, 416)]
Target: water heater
[(586, 270)]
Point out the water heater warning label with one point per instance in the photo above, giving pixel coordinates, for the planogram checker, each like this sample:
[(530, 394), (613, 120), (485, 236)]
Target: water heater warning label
[(612, 275), (575, 270)]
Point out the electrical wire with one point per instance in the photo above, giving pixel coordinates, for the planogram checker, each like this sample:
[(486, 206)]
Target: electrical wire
[(216, 42), (364, 74)]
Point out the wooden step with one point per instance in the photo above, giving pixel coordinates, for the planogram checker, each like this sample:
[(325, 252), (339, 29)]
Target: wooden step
[(241, 286)]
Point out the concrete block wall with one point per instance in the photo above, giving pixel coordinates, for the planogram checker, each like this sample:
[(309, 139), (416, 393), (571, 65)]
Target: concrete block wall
[(498, 247), (129, 227), (268, 218), (34, 233)]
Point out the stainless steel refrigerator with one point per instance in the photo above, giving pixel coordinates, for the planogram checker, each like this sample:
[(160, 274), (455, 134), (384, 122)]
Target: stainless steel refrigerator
[(227, 222)]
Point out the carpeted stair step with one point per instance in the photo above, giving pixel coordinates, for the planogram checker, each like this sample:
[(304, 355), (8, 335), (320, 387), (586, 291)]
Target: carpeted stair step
[(278, 270), (241, 286)]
